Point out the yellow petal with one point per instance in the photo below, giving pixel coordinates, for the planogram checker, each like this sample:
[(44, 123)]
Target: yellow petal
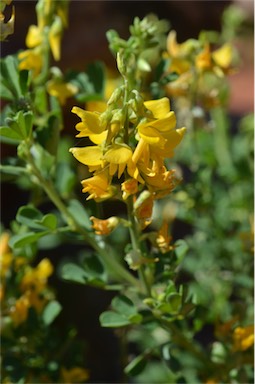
[(61, 90), (44, 269), (164, 124), (118, 154), (223, 56), (151, 135), (172, 46), (90, 156), (90, 119), (55, 37), (96, 105), (98, 138), (140, 148), (34, 36), (159, 108)]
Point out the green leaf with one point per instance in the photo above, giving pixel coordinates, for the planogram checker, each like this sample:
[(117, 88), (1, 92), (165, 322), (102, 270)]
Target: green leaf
[(10, 73), (48, 221), (11, 134), (73, 272), (136, 318), (181, 249), (51, 311), (123, 305), (24, 80), (65, 179), (21, 240), (40, 99), (81, 216), (112, 319), (33, 218), (27, 215), (43, 159), (136, 366), (93, 266), (12, 170), (48, 133), (5, 92), (175, 300)]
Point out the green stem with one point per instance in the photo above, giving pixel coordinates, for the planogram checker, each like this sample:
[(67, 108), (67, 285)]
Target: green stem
[(134, 236), (110, 262), (182, 341)]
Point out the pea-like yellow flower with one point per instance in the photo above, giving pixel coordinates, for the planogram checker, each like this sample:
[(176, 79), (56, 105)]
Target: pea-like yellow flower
[(19, 311), (129, 187), (36, 278), (61, 90), (34, 36), (161, 183), (55, 35), (143, 208), (104, 227), (163, 238), (243, 338), (158, 134), (90, 122), (99, 187), (218, 61), (31, 59), (6, 256), (118, 157)]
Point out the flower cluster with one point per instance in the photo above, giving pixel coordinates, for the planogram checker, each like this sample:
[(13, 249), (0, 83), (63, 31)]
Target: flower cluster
[(33, 291), (131, 144), (51, 20), (198, 65)]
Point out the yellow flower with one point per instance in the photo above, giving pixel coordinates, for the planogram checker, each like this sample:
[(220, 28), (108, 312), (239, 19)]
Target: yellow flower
[(203, 60), (34, 36), (129, 187), (61, 90), (74, 375), (19, 311), (118, 157), (90, 122), (158, 134), (99, 187), (223, 56), (163, 238), (180, 54), (55, 35), (36, 278), (31, 59), (143, 207), (104, 227), (243, 338), (161, 183), (90, 156), (219, 61), (6, 256)]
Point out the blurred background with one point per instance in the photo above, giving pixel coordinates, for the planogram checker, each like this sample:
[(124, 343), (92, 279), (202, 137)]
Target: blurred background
[(85, 41)]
